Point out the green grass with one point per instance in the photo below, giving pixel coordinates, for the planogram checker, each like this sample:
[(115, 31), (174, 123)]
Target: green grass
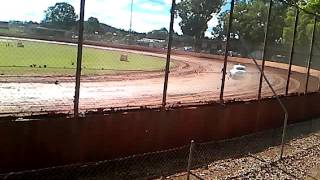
[(4, 31), (61, 60)]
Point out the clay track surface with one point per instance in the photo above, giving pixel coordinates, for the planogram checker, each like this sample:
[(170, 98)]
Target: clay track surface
[(192, 79)]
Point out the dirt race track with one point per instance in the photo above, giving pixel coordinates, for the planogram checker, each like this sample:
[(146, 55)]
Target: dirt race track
[(192, 79)]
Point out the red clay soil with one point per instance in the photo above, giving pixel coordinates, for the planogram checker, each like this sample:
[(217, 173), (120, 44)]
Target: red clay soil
[(192, 79)]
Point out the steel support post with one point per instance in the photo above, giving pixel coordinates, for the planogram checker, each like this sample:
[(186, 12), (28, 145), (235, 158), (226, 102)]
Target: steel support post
[(227, 47), (167, 70), (190, 159), (310, 54), (79, 60), (265, 45), (292, 49)]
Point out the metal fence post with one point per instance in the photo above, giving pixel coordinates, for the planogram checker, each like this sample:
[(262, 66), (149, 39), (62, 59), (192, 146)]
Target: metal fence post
[(283, 107), (190, 159), (310, 54), (167, 70), (79, 60), (225, 63), (265, 44), (292, 49)]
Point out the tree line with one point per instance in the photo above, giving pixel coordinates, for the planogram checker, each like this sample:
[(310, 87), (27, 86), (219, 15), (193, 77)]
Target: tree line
[(249, 21)]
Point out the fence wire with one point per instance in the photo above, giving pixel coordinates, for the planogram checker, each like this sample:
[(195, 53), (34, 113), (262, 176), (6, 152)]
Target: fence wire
[(252, 156), (256, 156), (124, 58), (125, 66), (148, 165)]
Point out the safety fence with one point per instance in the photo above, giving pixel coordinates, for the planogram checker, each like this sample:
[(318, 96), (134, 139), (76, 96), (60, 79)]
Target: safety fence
[(257, 156), (114, 67), (86, 65), (234, 158)]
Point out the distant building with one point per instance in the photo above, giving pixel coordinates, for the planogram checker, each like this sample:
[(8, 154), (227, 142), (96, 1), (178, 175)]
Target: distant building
[(157, 43), (50, 32)]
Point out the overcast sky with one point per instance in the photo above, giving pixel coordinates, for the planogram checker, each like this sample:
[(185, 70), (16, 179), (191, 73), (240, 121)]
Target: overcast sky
[(147, 14)]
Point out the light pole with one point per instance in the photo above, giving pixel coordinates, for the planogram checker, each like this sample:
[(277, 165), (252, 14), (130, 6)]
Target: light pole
[(130, 28)]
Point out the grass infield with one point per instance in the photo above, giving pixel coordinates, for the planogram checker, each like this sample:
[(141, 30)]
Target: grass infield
[(40, 58)]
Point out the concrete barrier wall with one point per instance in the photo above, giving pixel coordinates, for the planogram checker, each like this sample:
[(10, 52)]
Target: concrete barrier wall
[(59, 141)]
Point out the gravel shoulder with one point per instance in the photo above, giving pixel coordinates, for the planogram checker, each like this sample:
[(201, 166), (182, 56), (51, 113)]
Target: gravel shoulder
[(257, 156), (315, 172)]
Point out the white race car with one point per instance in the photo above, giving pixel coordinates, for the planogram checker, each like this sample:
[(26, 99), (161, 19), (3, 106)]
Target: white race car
[(238, 71)]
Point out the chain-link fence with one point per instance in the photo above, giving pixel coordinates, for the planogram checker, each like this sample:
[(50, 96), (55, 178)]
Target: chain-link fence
[(105, 55), (37, 62), (257, 156), (249, 156), (146, 166), (155, 53)]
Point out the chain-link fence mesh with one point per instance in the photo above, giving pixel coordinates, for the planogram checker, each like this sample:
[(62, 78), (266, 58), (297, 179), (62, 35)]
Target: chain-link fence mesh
[(146, 166), (124, 58), (198, 54), (246, 43), (36, 63), (301, 52), (255, 155), (123, 65), (314, 78), (278, 49)]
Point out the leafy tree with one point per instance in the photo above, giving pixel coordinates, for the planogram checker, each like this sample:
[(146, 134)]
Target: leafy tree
[(304, 28), (249, 23), (289, 23), (158, 34), (195, 15), (313, 6), (16, 22), (92, 25), (305, 23), (61, 15)]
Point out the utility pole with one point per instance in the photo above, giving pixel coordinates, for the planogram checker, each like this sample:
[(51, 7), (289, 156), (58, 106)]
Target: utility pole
[(130, 28)]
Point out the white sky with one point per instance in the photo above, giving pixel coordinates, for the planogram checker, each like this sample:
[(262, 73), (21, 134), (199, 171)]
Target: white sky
[(147, 14)]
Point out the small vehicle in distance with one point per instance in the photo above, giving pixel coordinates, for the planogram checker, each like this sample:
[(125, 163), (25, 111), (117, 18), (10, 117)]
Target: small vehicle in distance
[(238, 71)]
